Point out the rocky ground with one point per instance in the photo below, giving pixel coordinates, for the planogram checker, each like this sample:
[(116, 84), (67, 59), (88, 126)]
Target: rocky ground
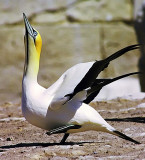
[(21, 140)]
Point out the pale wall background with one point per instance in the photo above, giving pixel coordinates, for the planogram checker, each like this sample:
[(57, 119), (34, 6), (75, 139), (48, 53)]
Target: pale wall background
[(73, 31)]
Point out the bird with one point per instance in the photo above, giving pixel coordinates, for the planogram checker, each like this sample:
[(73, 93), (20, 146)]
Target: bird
[(64, 106)]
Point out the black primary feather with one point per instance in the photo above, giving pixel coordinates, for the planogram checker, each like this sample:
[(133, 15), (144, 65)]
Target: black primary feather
[(100, 83), (96, 68)]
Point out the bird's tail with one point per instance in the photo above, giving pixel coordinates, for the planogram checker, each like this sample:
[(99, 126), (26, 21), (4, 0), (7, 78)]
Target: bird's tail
[(123, 136)]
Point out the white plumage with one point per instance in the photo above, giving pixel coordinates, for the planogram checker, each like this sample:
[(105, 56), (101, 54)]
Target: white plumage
[(63, 107)]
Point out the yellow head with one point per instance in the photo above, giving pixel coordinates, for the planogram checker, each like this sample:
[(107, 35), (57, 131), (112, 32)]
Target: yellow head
[(33, 44), (38, 43)]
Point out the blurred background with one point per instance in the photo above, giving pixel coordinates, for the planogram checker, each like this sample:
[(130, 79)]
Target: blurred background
[(72, 31)]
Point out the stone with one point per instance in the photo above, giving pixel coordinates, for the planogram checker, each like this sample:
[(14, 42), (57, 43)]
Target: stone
[(10, 139), (36, 156), (50, 18), (100, 10), (49, 153), (59, 158), (78, 153), (11, 11)]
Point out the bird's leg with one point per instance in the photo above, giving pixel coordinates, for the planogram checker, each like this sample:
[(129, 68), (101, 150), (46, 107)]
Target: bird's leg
[(64, 138), (63, 129)]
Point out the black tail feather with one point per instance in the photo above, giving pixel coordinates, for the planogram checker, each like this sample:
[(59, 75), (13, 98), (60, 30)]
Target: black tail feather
[(129, 119), (123, 136)]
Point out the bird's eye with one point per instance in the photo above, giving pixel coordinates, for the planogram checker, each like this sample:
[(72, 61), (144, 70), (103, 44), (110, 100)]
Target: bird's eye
[(34, 33)]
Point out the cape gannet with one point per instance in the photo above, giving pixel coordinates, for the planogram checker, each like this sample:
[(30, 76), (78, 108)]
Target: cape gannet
[(63, 107)]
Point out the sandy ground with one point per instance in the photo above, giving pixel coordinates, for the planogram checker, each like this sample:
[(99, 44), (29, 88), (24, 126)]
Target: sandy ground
[(21, 140)]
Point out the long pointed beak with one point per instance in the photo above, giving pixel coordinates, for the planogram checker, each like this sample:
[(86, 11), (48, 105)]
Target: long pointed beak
[(28, 27)]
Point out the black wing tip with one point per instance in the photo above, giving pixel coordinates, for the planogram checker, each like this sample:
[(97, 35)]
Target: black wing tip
[(123, 136), (135, 45), (124, 76), (103, 82), (130, 47), (121, 52)]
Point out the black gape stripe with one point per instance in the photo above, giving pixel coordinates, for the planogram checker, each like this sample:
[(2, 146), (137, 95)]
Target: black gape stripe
[(26, 53), (96, 68)]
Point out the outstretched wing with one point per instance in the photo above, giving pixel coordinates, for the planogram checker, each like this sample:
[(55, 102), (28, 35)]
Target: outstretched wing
[(66, 83), (81, 77)]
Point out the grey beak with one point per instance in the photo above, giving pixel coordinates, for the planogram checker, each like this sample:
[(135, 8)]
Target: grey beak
[(28, 27)]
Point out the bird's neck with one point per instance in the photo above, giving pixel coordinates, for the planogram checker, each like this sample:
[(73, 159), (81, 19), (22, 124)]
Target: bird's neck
[(31, 67)]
